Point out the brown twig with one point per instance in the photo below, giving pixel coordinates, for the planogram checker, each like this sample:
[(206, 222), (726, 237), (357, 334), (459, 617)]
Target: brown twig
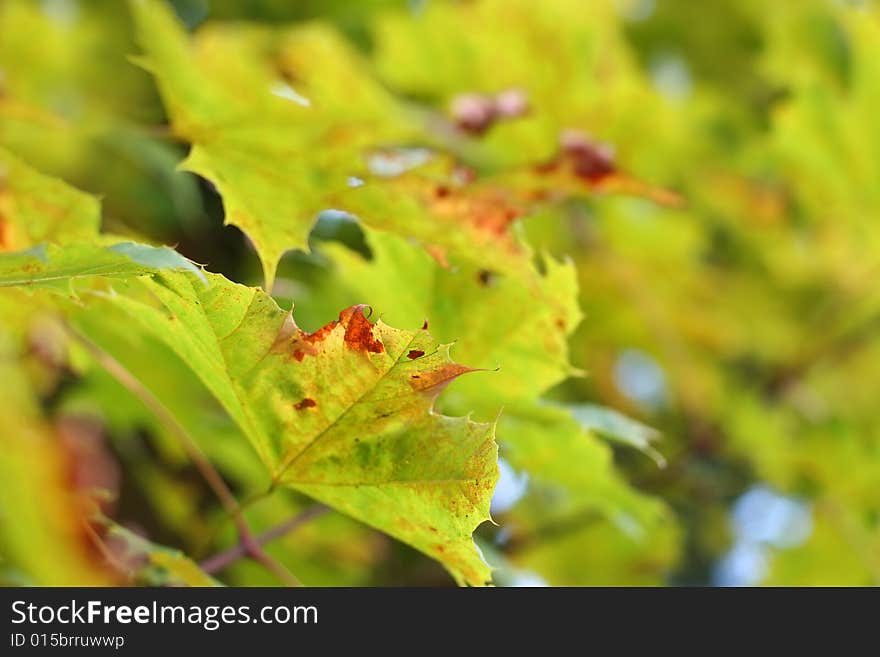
[(108, 555), (223, 559), (246, 539)]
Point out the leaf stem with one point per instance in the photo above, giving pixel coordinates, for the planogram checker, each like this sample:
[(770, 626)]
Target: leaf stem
[(215, 481), (224, 559)]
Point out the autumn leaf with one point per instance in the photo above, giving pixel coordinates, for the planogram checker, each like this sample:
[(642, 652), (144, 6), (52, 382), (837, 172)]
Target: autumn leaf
[(522, 330), (343, 414)]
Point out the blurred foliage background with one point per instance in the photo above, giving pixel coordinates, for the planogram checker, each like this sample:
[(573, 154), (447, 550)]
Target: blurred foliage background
[(740, 324)]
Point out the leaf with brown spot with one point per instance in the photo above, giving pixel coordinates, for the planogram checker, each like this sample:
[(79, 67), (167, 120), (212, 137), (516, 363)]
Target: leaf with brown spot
[(452, 217), (345, 423), (307, 402), (281, 121), (517, 323), (359, 332)]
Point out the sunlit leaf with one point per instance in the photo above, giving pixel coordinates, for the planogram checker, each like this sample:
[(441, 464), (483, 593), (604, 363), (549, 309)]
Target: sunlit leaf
[(516, 322), (342, 414), (275, 136)]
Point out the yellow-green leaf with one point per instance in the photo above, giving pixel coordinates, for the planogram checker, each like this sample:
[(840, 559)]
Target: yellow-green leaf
[(517, 322), (273, 133), (36, 208), (152, 564), (343, 414)]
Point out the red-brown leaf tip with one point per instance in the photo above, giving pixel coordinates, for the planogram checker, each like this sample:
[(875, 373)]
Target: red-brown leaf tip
[(359, 330)]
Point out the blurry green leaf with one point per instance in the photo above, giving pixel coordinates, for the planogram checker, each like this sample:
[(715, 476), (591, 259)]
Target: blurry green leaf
[(69, 99), (274, 134), (591, 551), (154, 565), (580, 523), (550, 445), (618, 427), (36, 208), (570, 64)]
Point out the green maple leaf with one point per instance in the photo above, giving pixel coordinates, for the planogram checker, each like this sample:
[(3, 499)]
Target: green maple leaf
[(343, 414), (274, 152), (598, 529), (51, 265)]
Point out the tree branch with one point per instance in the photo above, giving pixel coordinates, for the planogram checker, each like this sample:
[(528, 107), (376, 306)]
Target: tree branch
[(224, 559)]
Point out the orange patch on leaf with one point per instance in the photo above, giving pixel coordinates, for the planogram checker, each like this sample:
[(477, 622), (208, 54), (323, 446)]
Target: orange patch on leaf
[(485, 209), (298, 344), (359, 330), (618, 183), (439, 254), (583, 162), (5, 235), (434, 381)]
